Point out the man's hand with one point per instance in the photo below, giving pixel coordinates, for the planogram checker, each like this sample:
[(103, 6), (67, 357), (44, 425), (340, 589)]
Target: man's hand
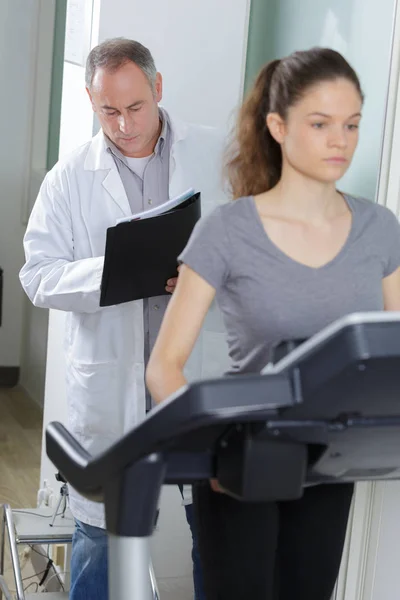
[(171, 283)]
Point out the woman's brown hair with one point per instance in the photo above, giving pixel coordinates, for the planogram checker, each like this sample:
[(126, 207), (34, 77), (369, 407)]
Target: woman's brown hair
[(254, 160)]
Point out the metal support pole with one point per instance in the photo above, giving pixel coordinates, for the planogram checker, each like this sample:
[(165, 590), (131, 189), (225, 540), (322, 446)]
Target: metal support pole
[(129, 560)]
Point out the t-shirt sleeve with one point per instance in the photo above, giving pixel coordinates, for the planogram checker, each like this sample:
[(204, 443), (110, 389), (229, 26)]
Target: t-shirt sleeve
[(390, 243), (207, 251)]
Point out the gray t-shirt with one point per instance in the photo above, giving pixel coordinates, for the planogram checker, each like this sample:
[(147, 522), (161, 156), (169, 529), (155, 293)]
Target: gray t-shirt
[(267, 297)]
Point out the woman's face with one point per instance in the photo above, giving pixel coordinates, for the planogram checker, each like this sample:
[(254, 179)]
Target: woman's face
[(320, 134)]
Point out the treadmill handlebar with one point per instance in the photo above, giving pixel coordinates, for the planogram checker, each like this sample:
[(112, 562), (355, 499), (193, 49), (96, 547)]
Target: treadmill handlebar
[(65, 450), (199, 406)]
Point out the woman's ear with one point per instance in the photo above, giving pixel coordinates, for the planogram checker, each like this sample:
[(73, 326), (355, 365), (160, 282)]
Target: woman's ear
[(276, 126)]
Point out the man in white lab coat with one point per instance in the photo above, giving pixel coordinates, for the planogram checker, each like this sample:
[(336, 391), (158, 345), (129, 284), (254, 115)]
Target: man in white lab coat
[(141, 157)]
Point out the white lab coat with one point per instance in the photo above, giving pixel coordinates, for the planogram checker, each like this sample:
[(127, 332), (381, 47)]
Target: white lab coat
[(64, 247)]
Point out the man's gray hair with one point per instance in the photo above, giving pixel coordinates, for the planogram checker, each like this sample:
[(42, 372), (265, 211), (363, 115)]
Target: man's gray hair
[(113, 54)]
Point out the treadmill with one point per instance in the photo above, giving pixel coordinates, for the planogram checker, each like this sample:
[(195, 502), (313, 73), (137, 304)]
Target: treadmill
[(326, 411)]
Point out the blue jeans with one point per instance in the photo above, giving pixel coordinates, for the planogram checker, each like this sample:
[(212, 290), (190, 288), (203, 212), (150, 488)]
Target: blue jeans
[(89, 562)]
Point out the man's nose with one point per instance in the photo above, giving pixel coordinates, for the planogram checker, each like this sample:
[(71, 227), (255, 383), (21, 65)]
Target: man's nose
[(125, 124)]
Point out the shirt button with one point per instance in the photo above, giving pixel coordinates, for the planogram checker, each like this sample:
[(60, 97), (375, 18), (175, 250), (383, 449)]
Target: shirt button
[(156, 307), (149, 201)]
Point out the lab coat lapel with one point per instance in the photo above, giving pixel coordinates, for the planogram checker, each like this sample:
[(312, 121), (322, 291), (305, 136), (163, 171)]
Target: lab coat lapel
[(99, 159)]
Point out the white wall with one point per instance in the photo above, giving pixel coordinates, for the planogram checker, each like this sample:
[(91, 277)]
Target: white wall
[(34, 351), (17, 41), (36, 320), (198, 47)]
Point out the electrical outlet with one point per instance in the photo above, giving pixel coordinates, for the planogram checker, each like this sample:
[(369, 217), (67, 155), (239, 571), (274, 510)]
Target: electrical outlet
[(59, 555)]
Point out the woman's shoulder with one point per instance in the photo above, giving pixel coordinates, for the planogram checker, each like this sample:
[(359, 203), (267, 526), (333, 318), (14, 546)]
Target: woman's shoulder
[(368, 208), (225, 220), (232, 208)]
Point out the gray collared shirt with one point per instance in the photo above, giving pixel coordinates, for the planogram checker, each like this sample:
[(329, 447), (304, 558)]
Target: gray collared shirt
[(144, 191)]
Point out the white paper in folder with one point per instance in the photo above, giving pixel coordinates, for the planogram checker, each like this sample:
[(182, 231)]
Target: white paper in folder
[(159, 210)]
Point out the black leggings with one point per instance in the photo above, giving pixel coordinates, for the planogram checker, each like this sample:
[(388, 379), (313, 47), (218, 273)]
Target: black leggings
[(272, 550)]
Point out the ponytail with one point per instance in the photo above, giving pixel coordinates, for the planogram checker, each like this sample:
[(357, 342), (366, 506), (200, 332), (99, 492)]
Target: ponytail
[(255, 161)]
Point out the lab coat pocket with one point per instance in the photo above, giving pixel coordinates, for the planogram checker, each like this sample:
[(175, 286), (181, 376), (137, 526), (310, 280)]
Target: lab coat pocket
[(96, 398)]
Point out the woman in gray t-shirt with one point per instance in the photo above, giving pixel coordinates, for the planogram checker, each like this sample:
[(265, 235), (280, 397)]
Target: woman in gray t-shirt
[(290, 255)]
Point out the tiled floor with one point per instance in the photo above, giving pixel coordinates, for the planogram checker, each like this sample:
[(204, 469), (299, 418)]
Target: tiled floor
[(20, 450)]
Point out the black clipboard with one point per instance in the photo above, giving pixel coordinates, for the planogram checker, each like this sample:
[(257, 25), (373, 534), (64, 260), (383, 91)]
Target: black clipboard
[(141, 255)]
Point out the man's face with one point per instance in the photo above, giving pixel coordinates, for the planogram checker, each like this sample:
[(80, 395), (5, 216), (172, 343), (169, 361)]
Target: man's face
[(127, 108)]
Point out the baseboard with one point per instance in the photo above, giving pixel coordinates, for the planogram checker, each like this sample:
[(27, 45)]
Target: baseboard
[(38, 402), (9, 376)]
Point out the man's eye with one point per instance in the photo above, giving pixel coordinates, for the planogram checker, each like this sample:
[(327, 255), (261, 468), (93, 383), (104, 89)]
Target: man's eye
[(111, 114)]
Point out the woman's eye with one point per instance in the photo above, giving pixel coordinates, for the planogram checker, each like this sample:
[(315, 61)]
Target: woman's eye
[(352, 127), (318, 125)]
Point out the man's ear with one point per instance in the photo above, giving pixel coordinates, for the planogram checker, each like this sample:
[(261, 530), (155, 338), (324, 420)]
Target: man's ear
[(276, 126), (158, 87), (91, 99)]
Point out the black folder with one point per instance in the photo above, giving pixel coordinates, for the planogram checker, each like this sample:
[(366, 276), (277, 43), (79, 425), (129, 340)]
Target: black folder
[(141, 255)]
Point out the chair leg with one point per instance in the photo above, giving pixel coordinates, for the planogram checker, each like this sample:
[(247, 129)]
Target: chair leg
[(4, 589), (2, 546)]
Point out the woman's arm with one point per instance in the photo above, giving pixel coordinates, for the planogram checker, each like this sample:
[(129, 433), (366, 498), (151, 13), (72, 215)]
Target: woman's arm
[(179, 331), (391, 291)]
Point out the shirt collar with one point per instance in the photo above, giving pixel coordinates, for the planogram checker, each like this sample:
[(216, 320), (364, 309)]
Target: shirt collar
[(163, 135)]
